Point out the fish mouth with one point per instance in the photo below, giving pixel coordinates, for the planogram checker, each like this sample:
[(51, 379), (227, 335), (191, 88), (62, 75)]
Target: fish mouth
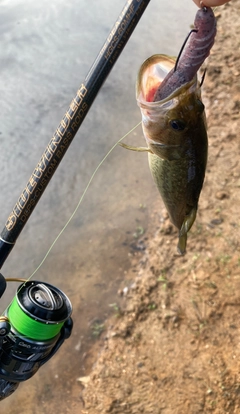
[(150, 76)]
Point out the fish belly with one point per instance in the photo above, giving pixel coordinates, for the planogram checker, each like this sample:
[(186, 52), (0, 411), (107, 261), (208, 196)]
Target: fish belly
[(171, 180)]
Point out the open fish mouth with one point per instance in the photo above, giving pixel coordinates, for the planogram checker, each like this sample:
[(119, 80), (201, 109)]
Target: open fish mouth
[(151, 74)]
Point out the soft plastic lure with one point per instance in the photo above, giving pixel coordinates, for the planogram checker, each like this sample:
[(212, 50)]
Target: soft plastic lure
[(197, 48)]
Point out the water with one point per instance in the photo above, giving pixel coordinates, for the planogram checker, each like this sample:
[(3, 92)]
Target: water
[(46, 49)]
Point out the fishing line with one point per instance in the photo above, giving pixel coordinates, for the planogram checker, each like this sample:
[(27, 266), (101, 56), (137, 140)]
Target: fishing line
[(89, 183), (25, 324), (78, 204)]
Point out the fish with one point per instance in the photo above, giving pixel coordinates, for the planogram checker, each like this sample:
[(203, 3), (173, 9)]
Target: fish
[(168, 93)]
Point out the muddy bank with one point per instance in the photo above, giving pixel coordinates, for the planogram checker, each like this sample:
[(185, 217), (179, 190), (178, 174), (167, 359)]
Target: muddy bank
[(173, 343)]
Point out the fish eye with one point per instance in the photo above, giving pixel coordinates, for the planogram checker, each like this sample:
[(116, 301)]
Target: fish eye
[(177, 124)]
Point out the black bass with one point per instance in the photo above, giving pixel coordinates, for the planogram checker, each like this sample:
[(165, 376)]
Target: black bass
[(174, 126)]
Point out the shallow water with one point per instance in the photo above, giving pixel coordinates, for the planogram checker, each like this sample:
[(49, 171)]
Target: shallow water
[(46, 49)]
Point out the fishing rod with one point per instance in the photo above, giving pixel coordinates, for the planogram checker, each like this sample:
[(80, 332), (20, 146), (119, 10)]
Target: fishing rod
[(39, 318)]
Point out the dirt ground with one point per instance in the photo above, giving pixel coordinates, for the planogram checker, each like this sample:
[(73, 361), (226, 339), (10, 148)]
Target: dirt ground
[(173, 343)]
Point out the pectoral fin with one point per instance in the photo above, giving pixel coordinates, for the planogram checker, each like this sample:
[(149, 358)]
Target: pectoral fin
[(139, 149), (187, 224)]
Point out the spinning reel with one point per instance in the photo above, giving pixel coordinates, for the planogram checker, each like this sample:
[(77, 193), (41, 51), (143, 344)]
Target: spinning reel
[(32, 329)]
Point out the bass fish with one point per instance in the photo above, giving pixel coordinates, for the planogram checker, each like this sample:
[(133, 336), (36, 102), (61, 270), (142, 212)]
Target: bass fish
[(174, 126)]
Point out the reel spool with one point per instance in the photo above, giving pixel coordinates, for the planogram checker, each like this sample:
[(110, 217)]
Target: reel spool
[(38, 311)]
